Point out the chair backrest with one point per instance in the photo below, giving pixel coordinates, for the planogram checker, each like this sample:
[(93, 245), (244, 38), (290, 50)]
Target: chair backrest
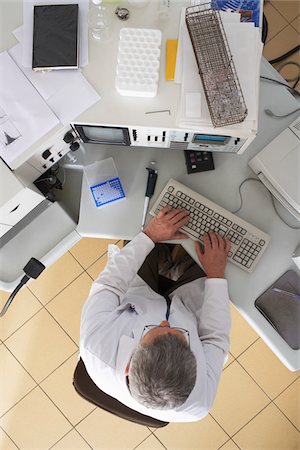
[(87, 389)]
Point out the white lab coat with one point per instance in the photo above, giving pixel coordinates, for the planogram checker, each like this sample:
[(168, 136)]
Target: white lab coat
[(111, 329)]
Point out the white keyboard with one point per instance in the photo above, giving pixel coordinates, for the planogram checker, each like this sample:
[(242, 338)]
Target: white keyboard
[(248, 243)]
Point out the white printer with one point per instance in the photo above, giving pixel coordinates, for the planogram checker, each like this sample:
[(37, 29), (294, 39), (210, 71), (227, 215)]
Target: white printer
[(278, 167)]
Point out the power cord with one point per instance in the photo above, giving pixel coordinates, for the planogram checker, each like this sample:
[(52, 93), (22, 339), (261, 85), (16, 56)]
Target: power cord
[(282, 84), (285, 55), (271, 114), (296, 79), (272, 200), (33, 269)]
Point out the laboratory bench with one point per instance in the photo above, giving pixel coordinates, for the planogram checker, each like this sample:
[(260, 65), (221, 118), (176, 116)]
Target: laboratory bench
[(52, 228)]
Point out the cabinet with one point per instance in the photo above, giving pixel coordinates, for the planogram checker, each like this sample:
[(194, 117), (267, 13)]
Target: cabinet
[(16, 199)]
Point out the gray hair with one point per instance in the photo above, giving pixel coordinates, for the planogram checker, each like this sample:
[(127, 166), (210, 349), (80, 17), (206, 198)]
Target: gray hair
[(162, 374)]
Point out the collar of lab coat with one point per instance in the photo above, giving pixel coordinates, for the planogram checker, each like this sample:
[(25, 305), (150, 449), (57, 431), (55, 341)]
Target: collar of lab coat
[(126, 348)]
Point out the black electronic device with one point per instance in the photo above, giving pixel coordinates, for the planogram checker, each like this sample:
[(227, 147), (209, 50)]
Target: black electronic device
[(55, 37), (198, 161)]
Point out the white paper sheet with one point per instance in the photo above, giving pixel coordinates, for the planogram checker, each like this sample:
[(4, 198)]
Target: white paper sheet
[(28, 29), (193, 105), (25, 116), (67, 92)]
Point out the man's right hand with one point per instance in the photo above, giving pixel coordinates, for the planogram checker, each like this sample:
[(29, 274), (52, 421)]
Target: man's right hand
[(214, 255)]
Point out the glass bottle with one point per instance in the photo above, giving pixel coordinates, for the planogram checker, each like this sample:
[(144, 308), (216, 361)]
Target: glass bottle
[(99, 21)]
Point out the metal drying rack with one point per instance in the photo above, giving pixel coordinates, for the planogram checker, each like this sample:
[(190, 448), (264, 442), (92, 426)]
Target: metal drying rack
[(216, 68)]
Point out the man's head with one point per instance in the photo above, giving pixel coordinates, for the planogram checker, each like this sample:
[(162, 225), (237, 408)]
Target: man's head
[(163, 369)]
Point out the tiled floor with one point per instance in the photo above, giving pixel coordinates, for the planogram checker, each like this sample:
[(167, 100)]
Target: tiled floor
[(283, 18), (256, 406)]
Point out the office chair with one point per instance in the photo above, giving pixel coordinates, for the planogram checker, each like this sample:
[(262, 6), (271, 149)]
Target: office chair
[(87, 389)]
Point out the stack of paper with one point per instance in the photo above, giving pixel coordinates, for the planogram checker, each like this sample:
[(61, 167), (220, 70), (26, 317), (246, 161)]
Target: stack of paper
[(67, 92), (246, 49), (24, 115)]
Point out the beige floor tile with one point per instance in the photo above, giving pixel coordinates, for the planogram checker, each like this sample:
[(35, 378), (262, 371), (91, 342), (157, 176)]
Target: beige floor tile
[(96, 268), (268, 430), (289, 9), (72, 441), (105, 431), (66, 307), (24, 306), (41, 345), (15, 382), (238, 399), (35, 423), (206, 434), (5, 442), (56, 277), (276, 22), (261, 363), (60, 389), (229, 361), (151, 443), (287, 39), (296, 24), (289, 403), (241, 335), (230, 445), (88, 250)]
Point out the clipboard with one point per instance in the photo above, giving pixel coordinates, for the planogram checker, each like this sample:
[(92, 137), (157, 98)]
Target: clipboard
[(282, 310)]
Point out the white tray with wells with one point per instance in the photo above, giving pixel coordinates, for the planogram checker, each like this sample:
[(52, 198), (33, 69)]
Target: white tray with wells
[(138, 62)]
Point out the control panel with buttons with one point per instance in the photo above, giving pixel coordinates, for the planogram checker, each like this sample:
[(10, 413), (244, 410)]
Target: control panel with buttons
[(198, 161)]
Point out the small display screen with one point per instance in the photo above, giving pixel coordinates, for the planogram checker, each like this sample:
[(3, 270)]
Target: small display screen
[(112, 135), (210, 139), (98, 134)]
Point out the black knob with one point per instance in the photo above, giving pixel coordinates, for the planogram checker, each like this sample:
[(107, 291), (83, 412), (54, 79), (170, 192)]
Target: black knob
[(68, 137), (75, 146), (46, 153)]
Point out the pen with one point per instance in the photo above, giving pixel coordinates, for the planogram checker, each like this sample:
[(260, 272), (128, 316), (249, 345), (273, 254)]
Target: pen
[(151, 182), (290, 294)]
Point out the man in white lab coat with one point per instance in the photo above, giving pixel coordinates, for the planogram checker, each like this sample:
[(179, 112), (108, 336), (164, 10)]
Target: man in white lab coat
[(161, 355)]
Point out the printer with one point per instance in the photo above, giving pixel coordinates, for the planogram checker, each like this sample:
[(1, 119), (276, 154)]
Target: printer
[(278, 167)]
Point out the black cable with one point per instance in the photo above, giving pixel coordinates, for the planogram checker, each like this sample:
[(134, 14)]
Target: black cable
[(33, 269), (13, 294), (265, 29), (272, 200), (285, 55), (296, 82), (282, 84)]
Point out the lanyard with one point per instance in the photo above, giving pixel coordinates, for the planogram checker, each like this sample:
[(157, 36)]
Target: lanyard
[(169, 301)]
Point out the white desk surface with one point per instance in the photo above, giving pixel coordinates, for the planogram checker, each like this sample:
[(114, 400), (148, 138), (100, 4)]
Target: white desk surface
[(122, 220)]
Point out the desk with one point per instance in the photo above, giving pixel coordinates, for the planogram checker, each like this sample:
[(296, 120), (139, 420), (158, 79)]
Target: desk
[(122, 220)]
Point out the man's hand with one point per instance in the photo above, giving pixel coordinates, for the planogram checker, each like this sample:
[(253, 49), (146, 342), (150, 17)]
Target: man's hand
[(214, 255), (166, 224)]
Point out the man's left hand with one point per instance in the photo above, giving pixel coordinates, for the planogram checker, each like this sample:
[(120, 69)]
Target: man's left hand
[(166, 224)]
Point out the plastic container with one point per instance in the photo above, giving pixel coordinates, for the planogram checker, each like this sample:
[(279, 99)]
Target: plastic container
[(163, 8), (138, 3), (103, 181), (138, 62), (99, 21)]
